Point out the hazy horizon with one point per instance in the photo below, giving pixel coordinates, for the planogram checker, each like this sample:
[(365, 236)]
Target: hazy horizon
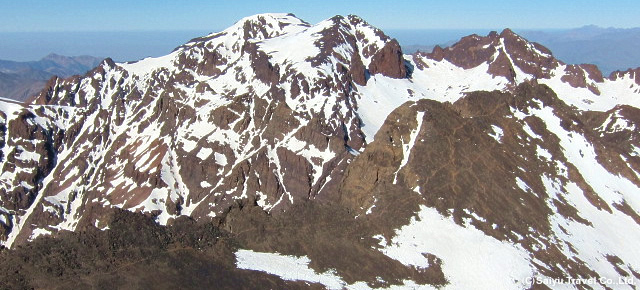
[(134, 45), (129, 30)]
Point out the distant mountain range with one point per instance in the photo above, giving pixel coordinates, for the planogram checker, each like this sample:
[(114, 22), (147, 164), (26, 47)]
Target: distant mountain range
[(609, 48), (21, 80)]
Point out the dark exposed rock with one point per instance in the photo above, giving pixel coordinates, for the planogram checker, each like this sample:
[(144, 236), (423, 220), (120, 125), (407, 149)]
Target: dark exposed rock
[(134, 252), (502, 52), (469, 52), (264, 70), (593, 72), (530, 57), (28, 140), (357, 70), (633, 73), (389, 61), (502, 66), (576, 77)]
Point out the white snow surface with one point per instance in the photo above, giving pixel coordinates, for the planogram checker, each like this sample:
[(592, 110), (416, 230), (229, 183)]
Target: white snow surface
[(143, 68), (39, 232), (623, 91), (290, 268), (10, 107), (407, 146), (497, 134), (470, 259), (441, 81), (204, 153), (293, 268)]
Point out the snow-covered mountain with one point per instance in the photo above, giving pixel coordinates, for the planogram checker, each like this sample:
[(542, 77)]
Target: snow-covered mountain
[(490, 156)]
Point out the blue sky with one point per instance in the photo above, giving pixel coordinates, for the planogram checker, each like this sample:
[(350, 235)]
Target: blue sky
[(120, 15), (133, 29)]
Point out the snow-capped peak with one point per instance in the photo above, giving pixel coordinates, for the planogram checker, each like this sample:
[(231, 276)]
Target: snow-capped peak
[(273, 112)]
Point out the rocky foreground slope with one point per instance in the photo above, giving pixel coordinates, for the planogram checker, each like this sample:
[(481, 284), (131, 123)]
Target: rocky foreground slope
[(324, 148)]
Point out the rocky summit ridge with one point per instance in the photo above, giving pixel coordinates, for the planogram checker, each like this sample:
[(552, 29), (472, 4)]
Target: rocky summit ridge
[(326, 142)]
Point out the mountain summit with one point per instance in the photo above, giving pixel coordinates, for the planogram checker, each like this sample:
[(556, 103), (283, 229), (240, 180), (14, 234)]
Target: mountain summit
[(325, 143)]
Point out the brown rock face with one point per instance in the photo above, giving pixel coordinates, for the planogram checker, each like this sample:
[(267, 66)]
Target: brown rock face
[(532, 58), (32, 147), (437, 54), (388, 61), (456, 167), (593, 72), (502, 52), (136, 251), (469, 52), (357, 70), (575, 76), (633, 73), (264, 70), (502, 66)]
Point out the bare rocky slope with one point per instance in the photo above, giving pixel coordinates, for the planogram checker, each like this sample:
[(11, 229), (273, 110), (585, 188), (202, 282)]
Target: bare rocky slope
[(323, 147)]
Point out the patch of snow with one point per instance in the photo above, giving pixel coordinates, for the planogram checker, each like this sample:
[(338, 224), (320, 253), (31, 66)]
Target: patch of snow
[(468, 256), (39, 232), (376, 103), (27, 156), (262, 201), (188, 145), (290, 268), (530, 132), (406, 147), (373, 205), (622, 91), (97, 225), (144, 67), (221, 159), (497, 133), (522, 185), (616, 123), (609, 234), (519, 75), (204, 153), (26, 185), (474, 215), (543, 153), (10, 107), (352, 151), (579, 152)]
